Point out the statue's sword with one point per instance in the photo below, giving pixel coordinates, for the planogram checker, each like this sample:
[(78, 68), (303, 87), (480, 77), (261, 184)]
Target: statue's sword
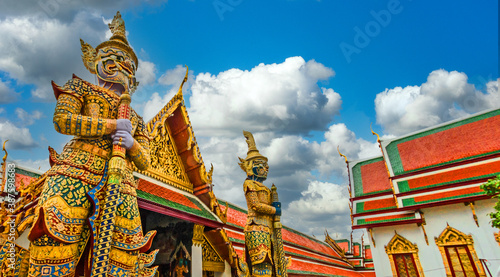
[(103, 226), (280, 263)]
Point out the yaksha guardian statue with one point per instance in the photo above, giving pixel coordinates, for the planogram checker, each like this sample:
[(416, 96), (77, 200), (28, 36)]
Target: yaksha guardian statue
[(263, 240), (87, 220)]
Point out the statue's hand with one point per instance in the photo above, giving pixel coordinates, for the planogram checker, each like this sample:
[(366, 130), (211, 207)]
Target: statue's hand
[(123, 125), (277, 205), (127, 141)]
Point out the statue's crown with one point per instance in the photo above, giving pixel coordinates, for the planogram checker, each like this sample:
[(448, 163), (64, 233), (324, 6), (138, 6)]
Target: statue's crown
[(119, 38), (253, 152)]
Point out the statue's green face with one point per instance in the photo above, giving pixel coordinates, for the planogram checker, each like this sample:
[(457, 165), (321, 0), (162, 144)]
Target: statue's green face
[(115, 66), (260, 169)]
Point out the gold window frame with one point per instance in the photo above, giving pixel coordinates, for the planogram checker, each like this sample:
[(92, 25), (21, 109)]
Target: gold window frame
[(400, 245), (452, 237)]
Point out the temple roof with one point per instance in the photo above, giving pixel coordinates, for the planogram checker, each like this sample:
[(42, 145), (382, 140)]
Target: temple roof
[(440, 165)]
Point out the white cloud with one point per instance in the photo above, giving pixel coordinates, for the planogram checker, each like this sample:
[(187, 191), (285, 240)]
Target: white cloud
[(19, 137), (319, 201), (36, 50), (7, 94), (329, 160), (444, 96), (64, 10), (281, 97), (42, 165), (156, 103), (173, 76), (146, 73), (28, 118)]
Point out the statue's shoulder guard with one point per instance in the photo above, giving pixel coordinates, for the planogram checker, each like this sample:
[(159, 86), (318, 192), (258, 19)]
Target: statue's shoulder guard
[(75, 87), (250, 185)]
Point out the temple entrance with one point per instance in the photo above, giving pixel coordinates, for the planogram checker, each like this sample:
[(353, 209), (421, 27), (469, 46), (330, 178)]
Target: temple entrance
[(173, 240)]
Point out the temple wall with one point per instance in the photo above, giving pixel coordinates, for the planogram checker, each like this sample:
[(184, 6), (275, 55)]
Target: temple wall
[(457, 216)]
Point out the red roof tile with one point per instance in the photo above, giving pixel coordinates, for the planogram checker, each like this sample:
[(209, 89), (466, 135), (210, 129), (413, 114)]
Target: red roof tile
[(23, 180), (378, 204), (375, 177), (165, 193), (456, 143), (308, 243), (453, 175), (310, 267)]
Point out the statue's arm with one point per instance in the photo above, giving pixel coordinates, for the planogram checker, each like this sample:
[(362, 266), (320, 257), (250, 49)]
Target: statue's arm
[(68, 119), (255, 204), (139, 153)]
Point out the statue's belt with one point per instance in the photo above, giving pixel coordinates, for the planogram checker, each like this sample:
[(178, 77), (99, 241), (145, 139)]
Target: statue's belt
[(89, 148)]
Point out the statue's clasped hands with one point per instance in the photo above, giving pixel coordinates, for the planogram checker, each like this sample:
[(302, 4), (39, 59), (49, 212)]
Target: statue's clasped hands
[(122, 135)]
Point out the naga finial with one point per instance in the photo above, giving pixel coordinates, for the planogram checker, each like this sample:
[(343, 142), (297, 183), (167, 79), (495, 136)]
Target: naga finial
[(373, 133), (183, 81), (4, 150), (342, 155)]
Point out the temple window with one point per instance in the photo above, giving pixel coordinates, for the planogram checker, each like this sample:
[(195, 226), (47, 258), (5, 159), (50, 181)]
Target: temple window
[(403, 256), (458, 253)]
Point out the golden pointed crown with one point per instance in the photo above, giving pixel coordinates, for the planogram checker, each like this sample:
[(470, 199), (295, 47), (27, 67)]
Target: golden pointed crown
[(117, 40), (252, 153)]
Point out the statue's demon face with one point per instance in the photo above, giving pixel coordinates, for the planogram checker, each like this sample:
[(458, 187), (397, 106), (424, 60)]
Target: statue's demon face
[(115, 66), (260, 169)]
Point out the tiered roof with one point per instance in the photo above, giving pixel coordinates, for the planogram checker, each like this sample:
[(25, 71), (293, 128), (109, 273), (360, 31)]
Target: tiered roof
[(436, 166)]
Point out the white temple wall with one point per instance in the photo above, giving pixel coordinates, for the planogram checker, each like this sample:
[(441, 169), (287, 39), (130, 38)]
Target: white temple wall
[(457, 216)]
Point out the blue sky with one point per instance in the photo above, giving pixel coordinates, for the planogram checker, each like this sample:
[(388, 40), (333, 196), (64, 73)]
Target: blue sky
[(304, 76)]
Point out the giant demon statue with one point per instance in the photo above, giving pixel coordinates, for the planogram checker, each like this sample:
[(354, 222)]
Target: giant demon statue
[(264, 246), (87, 221)]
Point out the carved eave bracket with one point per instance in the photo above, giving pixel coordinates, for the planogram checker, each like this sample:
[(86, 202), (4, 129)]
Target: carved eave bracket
[(334, 245)]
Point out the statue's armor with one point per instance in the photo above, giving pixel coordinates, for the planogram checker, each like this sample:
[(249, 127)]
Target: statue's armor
[(61, 233), (259, 227)]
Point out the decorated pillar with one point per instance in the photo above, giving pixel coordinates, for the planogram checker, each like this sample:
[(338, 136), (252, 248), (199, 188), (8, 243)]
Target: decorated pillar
[(197, 251)]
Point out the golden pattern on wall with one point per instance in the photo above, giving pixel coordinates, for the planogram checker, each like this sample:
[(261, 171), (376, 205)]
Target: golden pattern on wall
[(460, 248), (212, 261), (166, 165), (403, 256), (497, 237)]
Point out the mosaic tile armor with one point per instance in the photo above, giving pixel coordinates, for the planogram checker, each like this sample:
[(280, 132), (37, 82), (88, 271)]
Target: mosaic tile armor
[(259, 240), (87, 220), (61, 233)]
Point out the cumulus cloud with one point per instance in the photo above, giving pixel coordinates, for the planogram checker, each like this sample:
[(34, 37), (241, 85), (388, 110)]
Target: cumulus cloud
[(338, 135), (7, 94), (444, 96), (65, 10), (19, 137), (26, 118), (146, 73), (281, 97), (319, 201), (37, 50), (42, 165)]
